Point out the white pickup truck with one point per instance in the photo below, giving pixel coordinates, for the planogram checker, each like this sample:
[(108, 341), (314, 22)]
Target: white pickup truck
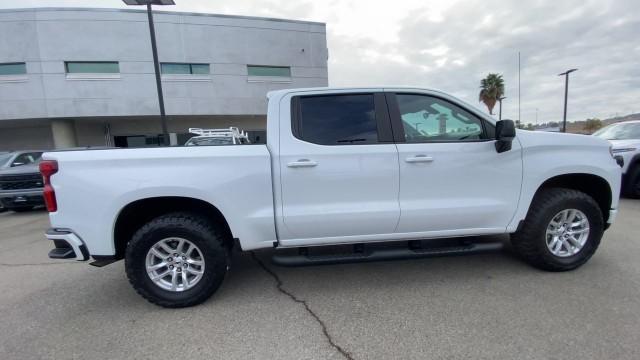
[(357, 167)]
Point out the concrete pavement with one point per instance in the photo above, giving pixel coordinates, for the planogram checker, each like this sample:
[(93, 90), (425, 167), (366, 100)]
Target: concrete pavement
[(483, 307)]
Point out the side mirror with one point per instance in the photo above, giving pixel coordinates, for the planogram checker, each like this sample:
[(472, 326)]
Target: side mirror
[(505, 133)]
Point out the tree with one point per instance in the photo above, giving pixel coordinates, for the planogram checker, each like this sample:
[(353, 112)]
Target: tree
[(491, 90), (519, 125), (530, 126), (591, 125)]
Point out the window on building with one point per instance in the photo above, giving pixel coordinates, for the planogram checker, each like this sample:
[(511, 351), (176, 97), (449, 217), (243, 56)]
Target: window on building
[(184, 69), (265, 73), (92, 67), (336, 119), (13, 69)]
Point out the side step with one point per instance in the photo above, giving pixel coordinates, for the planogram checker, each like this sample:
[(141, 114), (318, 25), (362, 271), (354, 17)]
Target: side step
[(413, 251)]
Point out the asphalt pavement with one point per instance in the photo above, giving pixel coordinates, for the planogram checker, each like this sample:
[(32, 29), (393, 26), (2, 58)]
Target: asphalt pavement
[(489, 306)]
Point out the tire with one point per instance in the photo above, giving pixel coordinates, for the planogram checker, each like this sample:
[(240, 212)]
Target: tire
[(21, 209), (530, 241), (208, 239), (632, 183)]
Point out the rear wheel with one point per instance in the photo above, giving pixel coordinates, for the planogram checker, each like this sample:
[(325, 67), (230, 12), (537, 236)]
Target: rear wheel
[(561, 231), (177, 260)]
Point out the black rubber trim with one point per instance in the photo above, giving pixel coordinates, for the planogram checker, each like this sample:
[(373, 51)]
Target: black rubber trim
[(396, 121), (385, 133), (304, 259)]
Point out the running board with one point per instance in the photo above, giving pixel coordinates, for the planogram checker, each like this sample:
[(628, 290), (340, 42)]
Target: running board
[(359, 255)]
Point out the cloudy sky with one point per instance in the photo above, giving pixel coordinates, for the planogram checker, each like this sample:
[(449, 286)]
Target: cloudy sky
[(452, 44)]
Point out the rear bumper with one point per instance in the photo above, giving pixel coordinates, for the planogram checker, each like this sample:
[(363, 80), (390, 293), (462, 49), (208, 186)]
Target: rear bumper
[(67, 245)]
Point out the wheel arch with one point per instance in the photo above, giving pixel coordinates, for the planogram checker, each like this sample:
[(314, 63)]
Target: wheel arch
[(593, 185), (137, 213)]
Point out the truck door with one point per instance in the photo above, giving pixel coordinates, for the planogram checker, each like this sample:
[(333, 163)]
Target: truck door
[(452, 180), (338, 168)]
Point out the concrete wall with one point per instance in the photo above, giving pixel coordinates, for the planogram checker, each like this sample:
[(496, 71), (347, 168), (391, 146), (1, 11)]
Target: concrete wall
[(26, 137), (46, 38)]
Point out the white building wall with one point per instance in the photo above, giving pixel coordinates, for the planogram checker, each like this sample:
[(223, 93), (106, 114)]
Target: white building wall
[(45, 38)]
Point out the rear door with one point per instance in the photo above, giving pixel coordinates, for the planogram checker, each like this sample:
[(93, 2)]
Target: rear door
[(452, 180), (338, 168)]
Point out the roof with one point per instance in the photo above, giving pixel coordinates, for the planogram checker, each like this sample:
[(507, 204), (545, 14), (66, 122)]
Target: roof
[(177, 13), (353, 88)]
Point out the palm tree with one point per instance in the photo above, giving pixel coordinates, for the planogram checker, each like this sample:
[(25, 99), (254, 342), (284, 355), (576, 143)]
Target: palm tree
[(491, 90)]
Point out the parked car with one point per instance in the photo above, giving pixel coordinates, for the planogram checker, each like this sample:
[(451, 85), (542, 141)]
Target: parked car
[(341, 166), (625, 139), (20, 180)]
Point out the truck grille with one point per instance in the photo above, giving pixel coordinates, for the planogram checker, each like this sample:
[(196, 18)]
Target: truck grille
[(20, 182)]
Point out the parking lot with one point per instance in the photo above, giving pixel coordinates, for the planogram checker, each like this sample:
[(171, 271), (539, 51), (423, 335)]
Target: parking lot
[(485, 306)]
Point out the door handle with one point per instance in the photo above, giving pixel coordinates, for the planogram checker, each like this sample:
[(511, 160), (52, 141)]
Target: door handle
[(419, 159), (302, 163)]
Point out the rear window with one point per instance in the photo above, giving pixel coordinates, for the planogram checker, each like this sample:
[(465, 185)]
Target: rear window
[(348, 119)]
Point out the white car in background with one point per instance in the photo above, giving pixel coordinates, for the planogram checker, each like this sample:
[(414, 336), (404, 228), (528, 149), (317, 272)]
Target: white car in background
[(625, 139)]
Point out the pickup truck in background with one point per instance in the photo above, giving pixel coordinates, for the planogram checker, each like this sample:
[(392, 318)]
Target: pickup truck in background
[(355, 166), (20, 180)]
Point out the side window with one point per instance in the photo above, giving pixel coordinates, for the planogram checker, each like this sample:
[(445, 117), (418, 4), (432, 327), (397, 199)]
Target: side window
[(426, 118), (335, 119)]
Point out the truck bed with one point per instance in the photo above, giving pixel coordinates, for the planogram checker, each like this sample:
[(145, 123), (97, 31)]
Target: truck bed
[(92, 187)]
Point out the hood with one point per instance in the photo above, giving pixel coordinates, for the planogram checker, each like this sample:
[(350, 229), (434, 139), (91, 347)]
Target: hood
[(534, 138), (20, 170), (622, 144)]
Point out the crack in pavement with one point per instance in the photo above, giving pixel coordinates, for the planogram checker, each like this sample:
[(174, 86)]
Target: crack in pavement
[(279, 285)]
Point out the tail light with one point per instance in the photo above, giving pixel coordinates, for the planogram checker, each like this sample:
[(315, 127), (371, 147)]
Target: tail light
[(48, 168)]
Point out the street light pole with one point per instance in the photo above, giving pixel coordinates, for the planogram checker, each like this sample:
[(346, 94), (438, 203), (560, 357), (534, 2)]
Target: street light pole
[(156, 62), (566, 94), (156, 66)]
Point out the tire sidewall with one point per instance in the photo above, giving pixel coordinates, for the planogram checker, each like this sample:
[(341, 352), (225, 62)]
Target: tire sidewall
[(633, 184), (214, 256), (596, 229)]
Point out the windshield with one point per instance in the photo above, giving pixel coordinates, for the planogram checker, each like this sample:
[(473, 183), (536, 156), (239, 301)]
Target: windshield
[(4, 158), (620, 131), (207, 141)]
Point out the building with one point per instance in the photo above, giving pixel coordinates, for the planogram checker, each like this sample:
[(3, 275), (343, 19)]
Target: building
[(85, 77)]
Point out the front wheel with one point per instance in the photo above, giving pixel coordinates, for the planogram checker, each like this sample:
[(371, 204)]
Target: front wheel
[(632, 183), (561, 231), (177, 260)]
